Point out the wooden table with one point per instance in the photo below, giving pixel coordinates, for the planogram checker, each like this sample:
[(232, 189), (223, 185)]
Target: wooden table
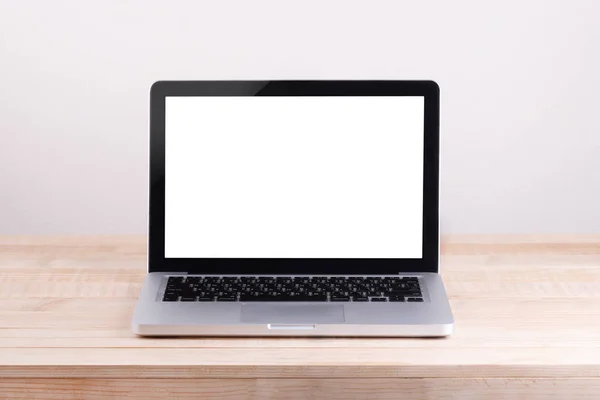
[(527, 312)]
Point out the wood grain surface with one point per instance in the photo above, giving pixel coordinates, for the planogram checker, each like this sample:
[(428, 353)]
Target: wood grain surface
[(527, 311)]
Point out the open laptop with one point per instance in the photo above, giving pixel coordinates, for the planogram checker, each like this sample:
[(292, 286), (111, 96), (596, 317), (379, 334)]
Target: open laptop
[(293, 208)]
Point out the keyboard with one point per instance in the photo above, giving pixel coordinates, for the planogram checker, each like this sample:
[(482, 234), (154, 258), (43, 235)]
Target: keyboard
[(289, 288)]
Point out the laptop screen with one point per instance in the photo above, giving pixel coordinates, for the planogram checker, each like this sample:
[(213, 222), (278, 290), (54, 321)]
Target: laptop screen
[(294, 177)]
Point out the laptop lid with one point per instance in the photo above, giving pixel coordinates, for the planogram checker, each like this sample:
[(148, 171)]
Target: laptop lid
[(294, 177)]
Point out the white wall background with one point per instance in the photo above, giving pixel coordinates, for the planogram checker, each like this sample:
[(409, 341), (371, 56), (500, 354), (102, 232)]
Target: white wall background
[(520, 86)]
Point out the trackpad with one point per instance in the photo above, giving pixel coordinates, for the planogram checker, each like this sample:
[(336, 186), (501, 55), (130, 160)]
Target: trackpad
[(269, 313)]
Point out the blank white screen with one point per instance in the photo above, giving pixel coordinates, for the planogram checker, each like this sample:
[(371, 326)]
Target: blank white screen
[(294, 177)]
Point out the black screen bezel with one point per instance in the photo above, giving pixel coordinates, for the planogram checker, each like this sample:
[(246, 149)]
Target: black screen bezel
[(345, 266)]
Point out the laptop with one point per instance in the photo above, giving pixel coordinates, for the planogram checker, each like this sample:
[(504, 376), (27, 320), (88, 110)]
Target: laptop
[(293, 208)]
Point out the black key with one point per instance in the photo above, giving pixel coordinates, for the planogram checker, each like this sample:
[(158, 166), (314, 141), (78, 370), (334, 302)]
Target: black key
[(396, 298), (251, 297), (283, 298), (226, 298), (211, 298), (378, 299), (400, 286), (346, 298), (403, 293), (171, 296), (188, 298), (361, 299), (415, 299)]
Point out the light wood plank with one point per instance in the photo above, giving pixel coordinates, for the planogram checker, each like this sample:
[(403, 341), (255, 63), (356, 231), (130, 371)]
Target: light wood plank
[(300, 389), (303, 362), (60, 321)]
